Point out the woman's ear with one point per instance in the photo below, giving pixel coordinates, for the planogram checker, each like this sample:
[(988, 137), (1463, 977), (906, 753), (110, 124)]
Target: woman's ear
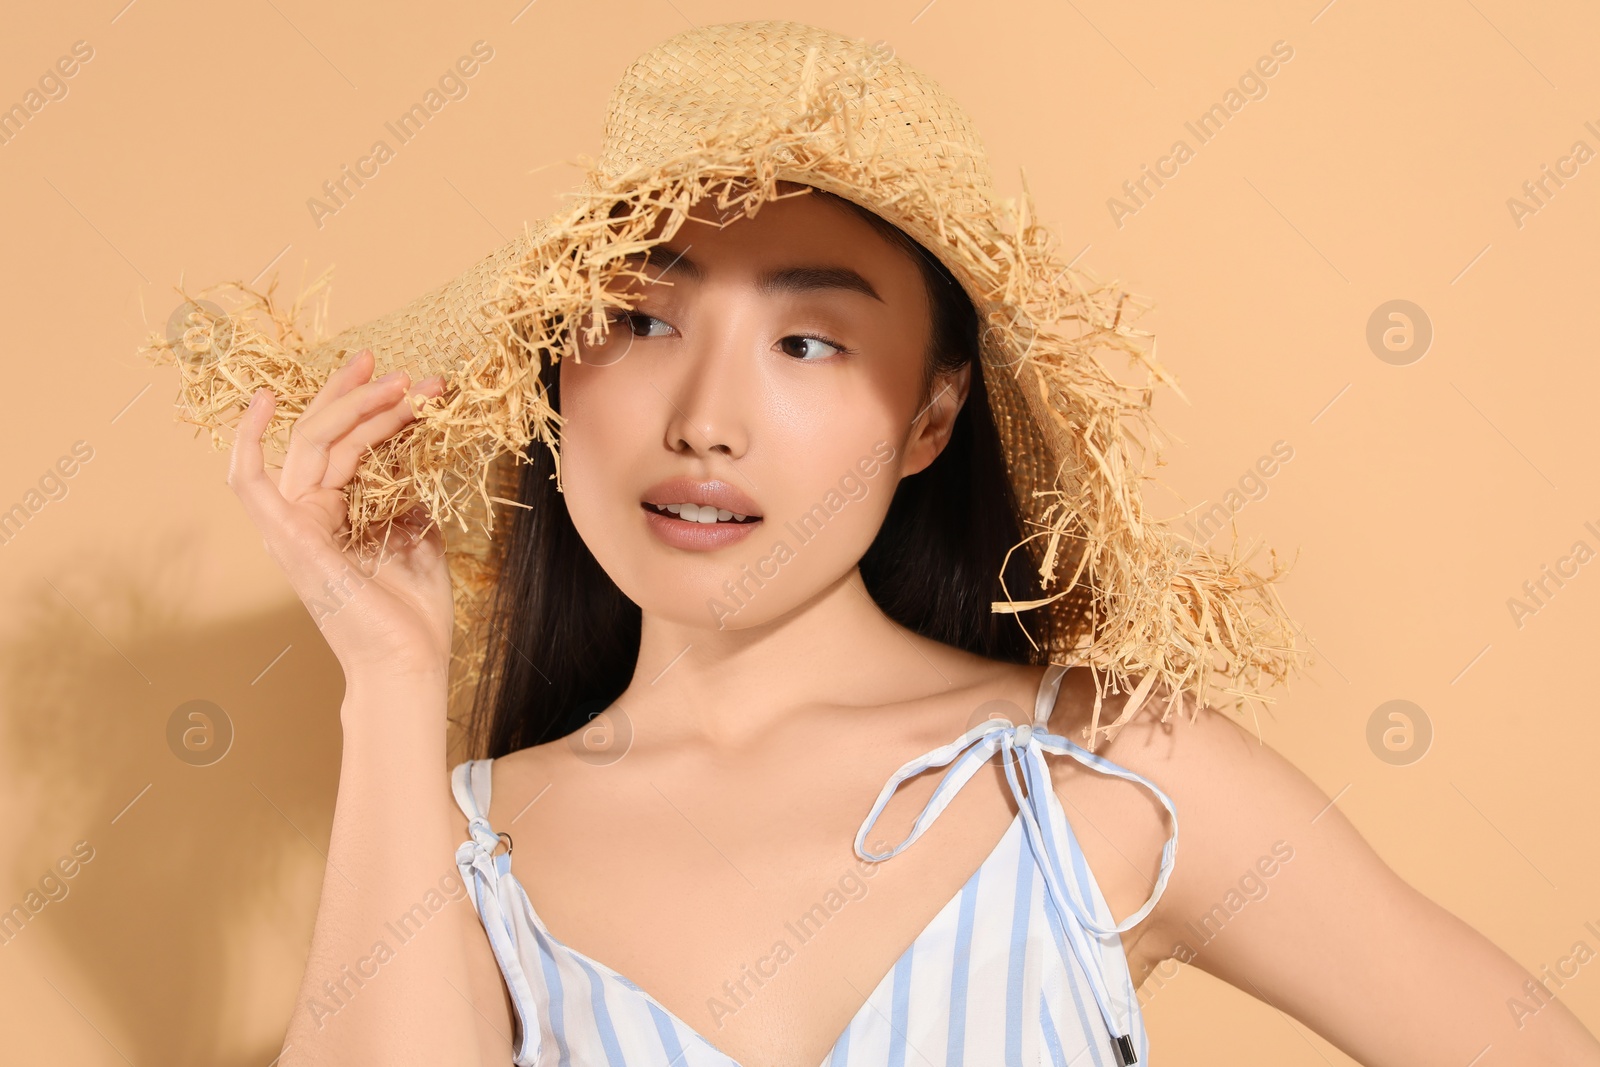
[(930, 431)]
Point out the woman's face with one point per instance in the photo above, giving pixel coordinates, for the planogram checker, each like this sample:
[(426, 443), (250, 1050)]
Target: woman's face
[(770, 368)]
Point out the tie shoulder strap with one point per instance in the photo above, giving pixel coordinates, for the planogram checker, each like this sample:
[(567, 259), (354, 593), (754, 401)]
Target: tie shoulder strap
[(495, 894), (964, 756), (1039, 778), (471, 784), (1044, 704), (1050, 742), (1049, 836)]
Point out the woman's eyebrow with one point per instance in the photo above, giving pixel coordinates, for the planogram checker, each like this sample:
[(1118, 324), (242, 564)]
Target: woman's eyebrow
[(778, 280)]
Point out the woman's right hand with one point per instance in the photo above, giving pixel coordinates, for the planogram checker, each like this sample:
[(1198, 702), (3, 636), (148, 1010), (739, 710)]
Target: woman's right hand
[(389, 616)]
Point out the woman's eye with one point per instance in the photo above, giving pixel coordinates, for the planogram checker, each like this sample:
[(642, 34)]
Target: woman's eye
[(795, 345), (807, 348), (636, 321)]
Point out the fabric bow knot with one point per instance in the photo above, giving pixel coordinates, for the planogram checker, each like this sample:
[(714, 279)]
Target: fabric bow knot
[(1049, 836)]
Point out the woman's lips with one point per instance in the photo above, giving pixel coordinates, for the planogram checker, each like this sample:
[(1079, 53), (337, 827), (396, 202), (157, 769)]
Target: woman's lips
[(695, 536), (712, 492)]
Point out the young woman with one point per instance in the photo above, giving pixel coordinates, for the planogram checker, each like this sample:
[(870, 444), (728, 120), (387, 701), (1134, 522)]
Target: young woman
[(771, 783), (697, 836)]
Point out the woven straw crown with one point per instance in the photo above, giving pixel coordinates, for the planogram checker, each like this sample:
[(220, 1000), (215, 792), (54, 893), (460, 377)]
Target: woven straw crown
[(725, 112)]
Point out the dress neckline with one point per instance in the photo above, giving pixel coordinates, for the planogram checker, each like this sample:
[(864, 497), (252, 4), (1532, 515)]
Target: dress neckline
[(1040, 815), (585, 960), (1044, 702)]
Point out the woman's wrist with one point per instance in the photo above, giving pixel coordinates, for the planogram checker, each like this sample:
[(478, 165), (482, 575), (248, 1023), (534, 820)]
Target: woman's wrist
[(392, 669), (386, 682), (392, 702)]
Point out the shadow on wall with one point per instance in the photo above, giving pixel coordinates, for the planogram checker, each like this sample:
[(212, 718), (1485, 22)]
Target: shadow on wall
[(190, 921)]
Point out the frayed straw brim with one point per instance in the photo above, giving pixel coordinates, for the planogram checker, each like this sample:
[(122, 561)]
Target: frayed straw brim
[(725, 113)]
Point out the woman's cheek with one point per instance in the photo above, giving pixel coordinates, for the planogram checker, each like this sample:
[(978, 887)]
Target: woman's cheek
[(848, 487), (589, 447)]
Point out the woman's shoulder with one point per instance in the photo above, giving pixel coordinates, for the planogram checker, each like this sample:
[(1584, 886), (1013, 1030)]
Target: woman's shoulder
[(1241, 807), (1180, 741), (516, 777)]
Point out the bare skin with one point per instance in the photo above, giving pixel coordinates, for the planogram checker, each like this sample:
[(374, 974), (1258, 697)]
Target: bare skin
[(759, 745)]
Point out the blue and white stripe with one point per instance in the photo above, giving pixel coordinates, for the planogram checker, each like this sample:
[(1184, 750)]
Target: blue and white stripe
[(1022, 966)]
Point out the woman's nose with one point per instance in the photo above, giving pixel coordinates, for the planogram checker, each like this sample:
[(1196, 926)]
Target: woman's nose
[(708, 398)]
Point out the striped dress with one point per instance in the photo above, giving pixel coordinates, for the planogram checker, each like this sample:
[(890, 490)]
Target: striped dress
[(1023, 966)]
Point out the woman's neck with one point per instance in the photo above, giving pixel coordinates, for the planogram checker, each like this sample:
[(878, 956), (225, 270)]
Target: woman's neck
[(722, 687)]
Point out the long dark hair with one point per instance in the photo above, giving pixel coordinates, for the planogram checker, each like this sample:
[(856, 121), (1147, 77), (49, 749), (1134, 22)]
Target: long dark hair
[(564, 640)]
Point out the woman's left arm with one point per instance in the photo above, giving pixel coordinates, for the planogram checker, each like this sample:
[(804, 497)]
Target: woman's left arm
[(1275, 892)]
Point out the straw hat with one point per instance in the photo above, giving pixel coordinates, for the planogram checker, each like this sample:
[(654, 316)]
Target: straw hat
[(726, 112)]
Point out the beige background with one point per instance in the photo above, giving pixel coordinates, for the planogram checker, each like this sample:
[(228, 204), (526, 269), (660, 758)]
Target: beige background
[(1421, 497)]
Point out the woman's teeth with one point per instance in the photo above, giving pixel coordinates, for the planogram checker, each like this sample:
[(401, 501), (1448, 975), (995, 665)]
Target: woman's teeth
[(701, 513)]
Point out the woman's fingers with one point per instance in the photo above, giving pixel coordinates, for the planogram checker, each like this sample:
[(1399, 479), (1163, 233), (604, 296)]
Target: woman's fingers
[(247, 474), (344, 380), (402, 614), (378, 427), (309, 463), (356, 370)]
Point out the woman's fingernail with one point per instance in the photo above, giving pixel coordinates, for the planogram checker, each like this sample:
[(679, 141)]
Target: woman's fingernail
[(392, 376)]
